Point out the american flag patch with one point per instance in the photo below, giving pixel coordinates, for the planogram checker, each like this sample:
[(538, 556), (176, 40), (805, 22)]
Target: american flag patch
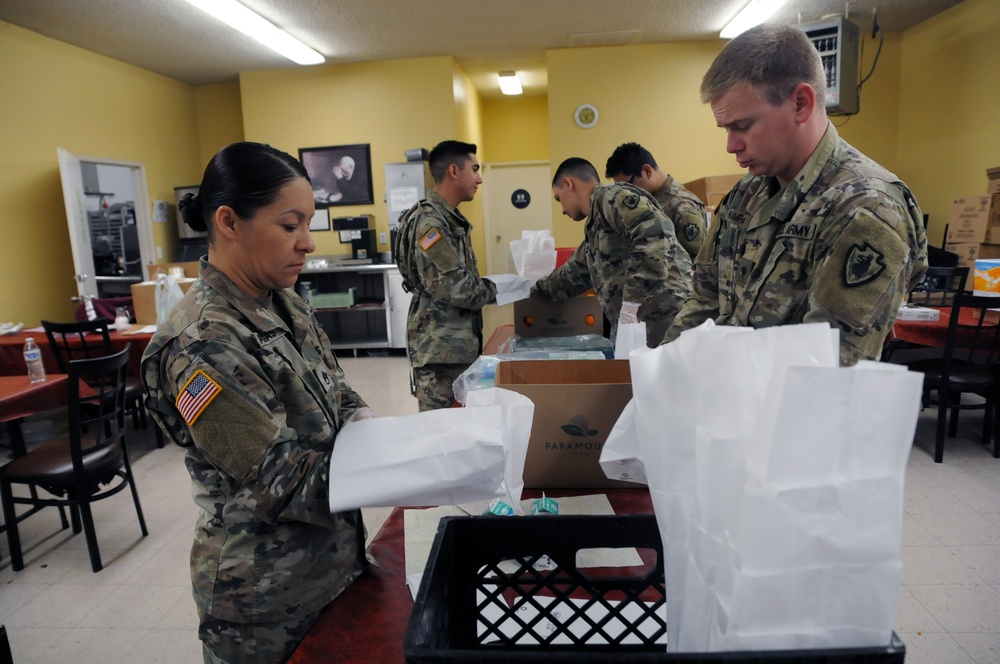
[(428, 240), (196, 395)]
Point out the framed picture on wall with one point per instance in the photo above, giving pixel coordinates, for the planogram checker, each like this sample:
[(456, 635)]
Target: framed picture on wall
[(340, 174)]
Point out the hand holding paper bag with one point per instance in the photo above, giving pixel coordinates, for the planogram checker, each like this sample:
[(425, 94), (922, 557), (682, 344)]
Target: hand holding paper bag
[(440, 457)]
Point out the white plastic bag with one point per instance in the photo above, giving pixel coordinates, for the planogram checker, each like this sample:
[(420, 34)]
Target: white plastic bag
[(629, 337), (167, 295), (777, 482)]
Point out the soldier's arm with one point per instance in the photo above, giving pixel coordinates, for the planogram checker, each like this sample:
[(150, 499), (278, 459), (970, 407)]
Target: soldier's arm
[(653, 242), (703, 302), (862, 274), (242, 432), (444, 272), (570, 279)]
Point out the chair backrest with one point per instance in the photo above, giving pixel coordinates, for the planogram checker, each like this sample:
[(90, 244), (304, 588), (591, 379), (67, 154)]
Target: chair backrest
[(973, 330), (939, 286), (97, 405), (78, 341)]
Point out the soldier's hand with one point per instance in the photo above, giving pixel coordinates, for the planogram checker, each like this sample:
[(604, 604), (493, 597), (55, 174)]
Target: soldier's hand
[(629, 313)]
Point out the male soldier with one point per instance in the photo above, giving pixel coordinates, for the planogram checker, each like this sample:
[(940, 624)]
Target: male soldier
[(632, 163), (434, 252), (630, 255), (816, 231)]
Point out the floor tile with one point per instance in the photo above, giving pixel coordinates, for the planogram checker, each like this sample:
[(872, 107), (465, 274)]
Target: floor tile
[(983, 648), (934, 648), (166, 646), (961, 608), (960, 529), (935, 565)]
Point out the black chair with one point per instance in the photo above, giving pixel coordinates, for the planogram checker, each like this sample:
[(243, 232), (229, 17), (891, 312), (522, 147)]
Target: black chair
[(5, 655), (939, 286), (78, 469), (969, 365), (937, 289), (81, 340)]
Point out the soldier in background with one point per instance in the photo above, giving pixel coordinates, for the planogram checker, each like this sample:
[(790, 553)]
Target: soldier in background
[(816, 231), (630, 254), (242, 375), (632, 163), (444, 326)]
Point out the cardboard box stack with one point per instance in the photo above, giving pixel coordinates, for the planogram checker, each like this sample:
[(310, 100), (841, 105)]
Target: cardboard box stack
[(974, 229), (144, 294), (712, 188), (993, 176)]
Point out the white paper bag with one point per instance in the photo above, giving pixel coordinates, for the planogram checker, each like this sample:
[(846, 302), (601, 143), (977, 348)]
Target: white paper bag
[(629, 337), (621, 454), (167, 293), (776, 479), (534, 254), (440, 457)]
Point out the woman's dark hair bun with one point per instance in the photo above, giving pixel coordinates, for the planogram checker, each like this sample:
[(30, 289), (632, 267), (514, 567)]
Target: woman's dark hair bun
[(192, 213)]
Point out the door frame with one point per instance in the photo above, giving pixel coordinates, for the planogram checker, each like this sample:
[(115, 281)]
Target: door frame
[(71, 176)]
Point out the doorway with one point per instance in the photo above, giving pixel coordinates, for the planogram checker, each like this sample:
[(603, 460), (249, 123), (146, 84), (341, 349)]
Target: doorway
[(110, 230)]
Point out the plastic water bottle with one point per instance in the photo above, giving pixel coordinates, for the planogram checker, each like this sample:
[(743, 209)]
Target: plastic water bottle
[(33, 358)]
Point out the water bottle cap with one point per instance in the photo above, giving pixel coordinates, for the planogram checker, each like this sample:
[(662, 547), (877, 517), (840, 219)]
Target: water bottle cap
[(27, 339)]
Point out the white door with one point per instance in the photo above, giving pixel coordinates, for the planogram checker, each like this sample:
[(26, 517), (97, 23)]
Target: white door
[(516, 197), (75, 197)]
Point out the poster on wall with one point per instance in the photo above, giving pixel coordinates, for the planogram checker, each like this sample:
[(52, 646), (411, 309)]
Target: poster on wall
[(340, 174)]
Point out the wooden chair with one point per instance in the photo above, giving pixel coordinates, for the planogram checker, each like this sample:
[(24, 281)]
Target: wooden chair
[(78, 469), (969, 365), (81, 340)]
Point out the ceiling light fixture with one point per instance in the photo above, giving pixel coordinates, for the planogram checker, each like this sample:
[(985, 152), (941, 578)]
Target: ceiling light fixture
[(510, 84), (237, 16), (753, 14)]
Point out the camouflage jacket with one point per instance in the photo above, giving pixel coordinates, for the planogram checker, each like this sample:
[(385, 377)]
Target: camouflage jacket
[(259, 405), (686, 211), (843, 242), (435, 258), (629, 253)]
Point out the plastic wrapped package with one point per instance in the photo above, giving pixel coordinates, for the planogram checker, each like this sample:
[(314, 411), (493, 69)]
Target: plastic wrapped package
[(590, 343), (482, 372)]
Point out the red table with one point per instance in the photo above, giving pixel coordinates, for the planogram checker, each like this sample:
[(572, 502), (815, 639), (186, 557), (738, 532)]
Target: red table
[(930, 333), (20, 398), (368, 621), (12, 351)]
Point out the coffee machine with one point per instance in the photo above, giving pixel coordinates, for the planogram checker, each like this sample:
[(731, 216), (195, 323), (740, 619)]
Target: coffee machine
[(364, 242)]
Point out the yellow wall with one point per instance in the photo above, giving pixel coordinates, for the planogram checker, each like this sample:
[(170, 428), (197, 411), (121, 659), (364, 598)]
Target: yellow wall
[(949, 101), (56, 95), (469, 128), (516, 128), (220, 120), (393, 106)]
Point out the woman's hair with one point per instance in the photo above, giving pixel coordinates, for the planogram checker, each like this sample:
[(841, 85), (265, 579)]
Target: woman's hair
[(772, 60), (246, 177)]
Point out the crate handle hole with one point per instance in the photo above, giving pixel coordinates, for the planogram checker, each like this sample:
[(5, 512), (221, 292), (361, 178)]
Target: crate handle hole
[(626, 561)]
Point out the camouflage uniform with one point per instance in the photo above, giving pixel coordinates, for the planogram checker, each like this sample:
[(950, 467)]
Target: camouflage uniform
[(629, 253), (686, 211), (843, 242), (445, 322), (266, 548)]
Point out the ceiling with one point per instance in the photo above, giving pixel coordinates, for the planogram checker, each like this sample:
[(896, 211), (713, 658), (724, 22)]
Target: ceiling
[(173, 38)]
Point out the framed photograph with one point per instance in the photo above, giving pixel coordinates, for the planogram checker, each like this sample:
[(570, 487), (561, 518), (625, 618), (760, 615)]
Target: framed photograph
[(320, 220), (340, 174)]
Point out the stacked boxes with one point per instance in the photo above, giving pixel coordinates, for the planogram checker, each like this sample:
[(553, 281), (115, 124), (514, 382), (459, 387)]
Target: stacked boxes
[(974, 228), (712, 189), (993, 175)]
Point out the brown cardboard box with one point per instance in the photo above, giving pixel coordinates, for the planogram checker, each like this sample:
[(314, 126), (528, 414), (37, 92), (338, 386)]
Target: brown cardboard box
[(190, 269), (969, 219), (144, 300), (534, 317), (577, 402), (712, 188), (993, 175), (967, 254)]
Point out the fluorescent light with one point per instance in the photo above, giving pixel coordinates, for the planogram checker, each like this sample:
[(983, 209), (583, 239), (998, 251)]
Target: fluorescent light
[(753, 14), (510, 84), (237, 16)]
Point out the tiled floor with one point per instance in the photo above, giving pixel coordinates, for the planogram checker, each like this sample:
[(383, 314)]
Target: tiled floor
[(139, 608)]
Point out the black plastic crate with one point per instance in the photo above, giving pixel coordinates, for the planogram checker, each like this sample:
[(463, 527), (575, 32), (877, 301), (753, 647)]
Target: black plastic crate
[(473, 608)]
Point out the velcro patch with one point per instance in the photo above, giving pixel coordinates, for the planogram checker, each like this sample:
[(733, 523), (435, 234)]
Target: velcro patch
[(631, 201), (691, 231), (195, 396), (429, 238), (864, 263)]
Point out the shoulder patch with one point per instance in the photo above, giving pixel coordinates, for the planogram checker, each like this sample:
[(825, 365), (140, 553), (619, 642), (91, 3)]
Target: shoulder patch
[(864, 263), (631, 201), (429, 238), (195, 396), (691, 231)]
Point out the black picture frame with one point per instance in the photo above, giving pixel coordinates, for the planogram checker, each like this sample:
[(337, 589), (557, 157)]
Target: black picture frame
[(340, 174)]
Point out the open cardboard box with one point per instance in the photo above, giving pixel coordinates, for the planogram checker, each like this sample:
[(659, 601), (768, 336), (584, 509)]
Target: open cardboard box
[(144, 299), (535, 317), (577, 402)]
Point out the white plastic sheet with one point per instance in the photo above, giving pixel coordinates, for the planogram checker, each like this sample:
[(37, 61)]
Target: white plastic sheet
[(777, 482), (440, 457)]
